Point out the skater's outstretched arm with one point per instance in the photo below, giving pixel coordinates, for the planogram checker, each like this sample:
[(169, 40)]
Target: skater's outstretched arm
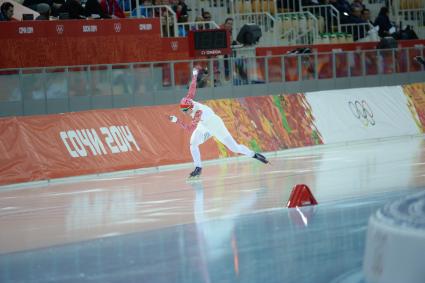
[(185, 126), (192, 87)]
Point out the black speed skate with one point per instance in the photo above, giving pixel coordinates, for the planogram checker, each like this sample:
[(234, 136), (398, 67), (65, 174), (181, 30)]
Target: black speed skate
[(261, 158), (196, 173)]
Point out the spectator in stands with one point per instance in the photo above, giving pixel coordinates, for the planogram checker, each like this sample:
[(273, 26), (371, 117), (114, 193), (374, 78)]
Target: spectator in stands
[(184, 8), (73, 8), (206, 16), (167, 24), (366, 16), (44, 10), (359, 4), (55, 7), (199, 25), (384, 23), (143, 12), (228, 25), (32, 4), (128, 5), (94, 10), (179, 13), (356, 18), (112, 8), (182, 29), (6, 13), (343, 7)]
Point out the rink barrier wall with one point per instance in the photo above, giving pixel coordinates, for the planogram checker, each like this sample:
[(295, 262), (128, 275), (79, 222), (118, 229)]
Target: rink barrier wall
[(98, 141)]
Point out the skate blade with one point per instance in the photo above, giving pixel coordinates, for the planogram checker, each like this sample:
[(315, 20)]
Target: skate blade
[(193, 179)]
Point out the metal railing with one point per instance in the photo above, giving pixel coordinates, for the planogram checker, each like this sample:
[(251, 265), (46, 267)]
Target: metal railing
[(288, 6), (360, 32), (184, 28), (63, 89), (166, 15), (328, 17), (298, 28)]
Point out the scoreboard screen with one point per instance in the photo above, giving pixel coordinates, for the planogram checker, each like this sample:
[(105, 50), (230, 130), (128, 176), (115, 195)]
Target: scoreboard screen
[(210, 42)]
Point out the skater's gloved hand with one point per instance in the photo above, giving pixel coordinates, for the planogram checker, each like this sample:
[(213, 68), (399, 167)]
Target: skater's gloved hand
[(195, 71), (173, 118)]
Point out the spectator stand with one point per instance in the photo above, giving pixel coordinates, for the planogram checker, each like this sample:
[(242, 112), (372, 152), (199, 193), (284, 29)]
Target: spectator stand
[(410, 12), (327, 16), (298, 28)]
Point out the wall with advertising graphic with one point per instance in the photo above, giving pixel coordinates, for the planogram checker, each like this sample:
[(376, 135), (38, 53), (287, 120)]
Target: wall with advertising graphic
[(71, 144), (70, 43), (358, 114)]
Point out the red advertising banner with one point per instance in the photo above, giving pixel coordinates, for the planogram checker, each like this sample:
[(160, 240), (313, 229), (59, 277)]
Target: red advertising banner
[(84, 42), (44, 147), (72, 144)]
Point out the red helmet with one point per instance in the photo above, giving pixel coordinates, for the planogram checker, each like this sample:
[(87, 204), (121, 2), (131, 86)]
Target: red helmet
[(186, 104)]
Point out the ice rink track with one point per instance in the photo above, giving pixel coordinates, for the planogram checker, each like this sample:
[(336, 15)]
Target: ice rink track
[(151, 225)]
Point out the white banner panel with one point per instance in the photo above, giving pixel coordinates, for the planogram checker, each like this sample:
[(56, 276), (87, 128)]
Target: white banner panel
[(361, 113)]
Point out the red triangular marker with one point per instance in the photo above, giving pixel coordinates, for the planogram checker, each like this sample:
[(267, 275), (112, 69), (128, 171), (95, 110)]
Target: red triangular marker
[(301, 196)]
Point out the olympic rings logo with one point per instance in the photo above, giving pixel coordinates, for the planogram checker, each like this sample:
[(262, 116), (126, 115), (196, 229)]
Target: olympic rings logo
[(362, 111)]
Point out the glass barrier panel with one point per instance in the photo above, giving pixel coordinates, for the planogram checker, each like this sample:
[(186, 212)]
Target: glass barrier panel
[(162, 75), (204, 76), (414, 65), (308, 67), (227, 68), (240, 67), (10, 89), (275, 69), (56, 83), (356, 63), (222, 71), (386, 62), (341, 65), (100, 80), (33, 84), (143, 79), (291, 68), (401, 59), (182, 73), (257, 72), (78, 81), (122, 80), (325, 66), (371, 62)]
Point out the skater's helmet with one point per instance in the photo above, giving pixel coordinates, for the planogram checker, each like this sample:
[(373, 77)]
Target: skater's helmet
[(186, 104)]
